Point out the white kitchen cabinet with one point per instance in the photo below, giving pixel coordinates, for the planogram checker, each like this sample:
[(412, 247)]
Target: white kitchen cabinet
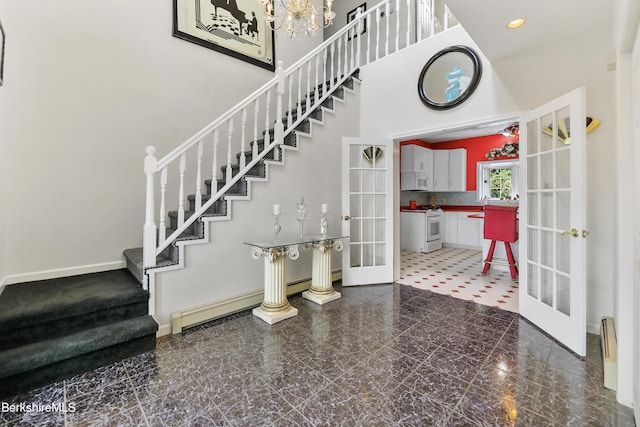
[(416, 168), (450, 170), (458, 169), (412, 231), (441, 170), (450, 228), (462, 231), (415, 158), (470, 231)]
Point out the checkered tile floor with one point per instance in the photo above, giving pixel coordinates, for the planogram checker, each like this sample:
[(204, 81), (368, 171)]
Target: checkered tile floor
[(458, 273)]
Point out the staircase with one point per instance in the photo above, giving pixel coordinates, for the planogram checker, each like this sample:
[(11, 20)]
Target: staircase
[(55, 329), (171, 257)]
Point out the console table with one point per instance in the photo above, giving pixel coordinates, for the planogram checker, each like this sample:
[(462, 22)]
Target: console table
[(275, 307)]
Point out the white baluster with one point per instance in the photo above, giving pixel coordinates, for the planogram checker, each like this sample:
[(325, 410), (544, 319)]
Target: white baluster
[(388, 32), (378, 17), (149, 229), (214, 163), (299, 108), (280, 88), (162, 235), (333, 63), (229, 140), (346, 56), (316, 93), (339, 67), (308, 96), (368, 23), (358, 28), (199, 177), (256, 112), (243, 145), (409, 23), (290, 109), (398, 26), (324, 72), (183, 167), (420, 16), (432, 18), (267, 135), (446, 17)]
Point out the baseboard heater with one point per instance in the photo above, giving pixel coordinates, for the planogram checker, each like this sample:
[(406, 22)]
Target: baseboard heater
[(609, 345), (185, 319)]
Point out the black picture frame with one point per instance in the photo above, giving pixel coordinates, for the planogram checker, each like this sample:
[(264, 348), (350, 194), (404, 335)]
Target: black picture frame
[(234, 27), (3, 37), (351, 15), (450, 77)]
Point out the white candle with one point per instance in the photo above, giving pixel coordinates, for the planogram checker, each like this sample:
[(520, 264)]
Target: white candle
[(276, 209), (325, 208)]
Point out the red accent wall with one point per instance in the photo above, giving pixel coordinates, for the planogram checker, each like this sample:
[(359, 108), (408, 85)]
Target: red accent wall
[(476, 150)]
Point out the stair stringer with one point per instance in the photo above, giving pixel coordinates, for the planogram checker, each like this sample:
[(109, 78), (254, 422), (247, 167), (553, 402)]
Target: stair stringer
[(179, 245)]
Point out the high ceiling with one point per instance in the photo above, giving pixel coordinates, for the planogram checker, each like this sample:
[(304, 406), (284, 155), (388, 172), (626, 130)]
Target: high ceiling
[(547, 21)]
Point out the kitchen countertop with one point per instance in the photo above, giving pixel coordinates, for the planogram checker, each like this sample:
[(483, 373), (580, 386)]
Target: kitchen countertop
[(453, 208)]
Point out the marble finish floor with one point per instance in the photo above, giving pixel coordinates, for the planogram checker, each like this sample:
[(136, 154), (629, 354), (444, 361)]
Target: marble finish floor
[(457, 273), (386, 355)]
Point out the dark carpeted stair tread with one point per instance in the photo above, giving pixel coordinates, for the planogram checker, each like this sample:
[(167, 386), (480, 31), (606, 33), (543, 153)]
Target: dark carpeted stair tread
[(38, 302), (39, 354)]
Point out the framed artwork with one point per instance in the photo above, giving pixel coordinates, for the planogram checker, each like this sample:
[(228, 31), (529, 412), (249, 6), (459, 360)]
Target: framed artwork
[(352, 15), (449, 77), (2, 38), (234, 27)]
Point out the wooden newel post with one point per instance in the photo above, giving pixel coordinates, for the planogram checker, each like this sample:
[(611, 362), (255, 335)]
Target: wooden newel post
[(149, 230), (280, 88)]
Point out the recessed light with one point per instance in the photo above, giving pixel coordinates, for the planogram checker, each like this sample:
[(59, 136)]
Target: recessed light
[(516, 23)]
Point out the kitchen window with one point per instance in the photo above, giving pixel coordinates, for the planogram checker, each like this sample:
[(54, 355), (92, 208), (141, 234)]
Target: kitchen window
[(497, 180)]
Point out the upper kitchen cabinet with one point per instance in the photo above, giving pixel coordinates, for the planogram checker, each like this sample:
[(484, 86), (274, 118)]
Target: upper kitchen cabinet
[(458, 169), (450, 170), (416, 158), (416, 168)]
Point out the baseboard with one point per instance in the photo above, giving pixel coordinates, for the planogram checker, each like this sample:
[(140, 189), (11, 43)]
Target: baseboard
[(593, 328), (2, 283), (63, 272), (181, 320)]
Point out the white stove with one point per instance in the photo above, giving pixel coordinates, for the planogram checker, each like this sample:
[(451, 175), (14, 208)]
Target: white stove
[(433, 230)]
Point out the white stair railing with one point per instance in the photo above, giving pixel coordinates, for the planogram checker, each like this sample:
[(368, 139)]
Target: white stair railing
[(371, 35)]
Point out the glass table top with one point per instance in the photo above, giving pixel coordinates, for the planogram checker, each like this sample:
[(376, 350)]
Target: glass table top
[(290, 240)]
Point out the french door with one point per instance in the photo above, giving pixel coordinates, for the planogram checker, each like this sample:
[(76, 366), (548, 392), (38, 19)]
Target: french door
[(553, 219), (367, 211)]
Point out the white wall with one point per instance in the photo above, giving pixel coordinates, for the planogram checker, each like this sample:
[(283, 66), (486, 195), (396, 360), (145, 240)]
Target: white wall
[(224, 268), (87, 86), (390, 102), (391, 107)]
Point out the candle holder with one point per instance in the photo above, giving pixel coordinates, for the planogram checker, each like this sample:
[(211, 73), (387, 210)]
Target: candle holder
[(276, 227), (324, 224), (301, 215)]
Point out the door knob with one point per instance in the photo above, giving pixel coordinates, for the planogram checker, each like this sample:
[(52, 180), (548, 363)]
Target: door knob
[(573, 232), (347, 217)]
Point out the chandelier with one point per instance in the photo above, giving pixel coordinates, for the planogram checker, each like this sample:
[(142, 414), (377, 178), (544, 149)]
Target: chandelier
[(297, 16)]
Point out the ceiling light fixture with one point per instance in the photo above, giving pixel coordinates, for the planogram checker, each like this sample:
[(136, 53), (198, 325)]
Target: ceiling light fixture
[(516, 23), (297, 16), (512, 130)]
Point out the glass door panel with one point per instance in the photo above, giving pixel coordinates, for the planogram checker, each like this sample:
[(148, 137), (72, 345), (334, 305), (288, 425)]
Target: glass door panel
[(553, 265)]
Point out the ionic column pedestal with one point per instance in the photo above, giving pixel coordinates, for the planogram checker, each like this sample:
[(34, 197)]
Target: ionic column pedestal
[(321, 291), (275, 306)]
